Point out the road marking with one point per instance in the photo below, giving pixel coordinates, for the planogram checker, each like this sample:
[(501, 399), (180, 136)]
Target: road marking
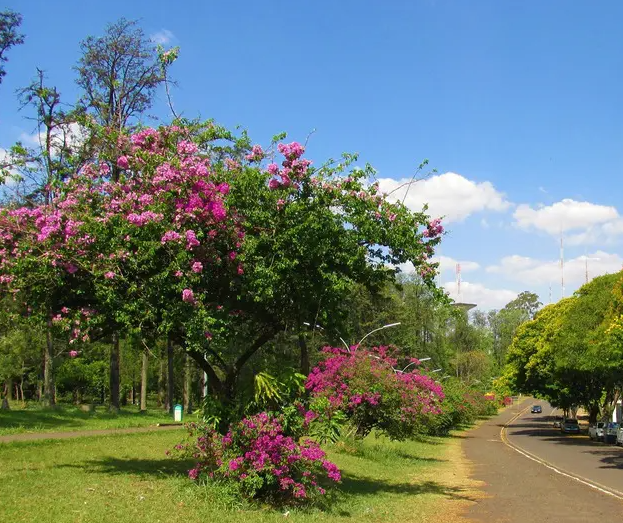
[(529, 455)]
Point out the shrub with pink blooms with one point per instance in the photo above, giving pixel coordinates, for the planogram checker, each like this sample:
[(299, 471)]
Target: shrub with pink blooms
[(372, 389), (263, 461)]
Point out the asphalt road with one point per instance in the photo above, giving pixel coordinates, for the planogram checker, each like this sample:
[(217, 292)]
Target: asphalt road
[(576, 454), (520, 490)]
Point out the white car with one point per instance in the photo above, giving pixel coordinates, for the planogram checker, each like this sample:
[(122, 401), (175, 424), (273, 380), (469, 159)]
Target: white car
[(596, 430), (620, 436)]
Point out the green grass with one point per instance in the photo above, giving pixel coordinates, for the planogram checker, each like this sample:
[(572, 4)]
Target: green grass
[(128, 478), (69, 418)]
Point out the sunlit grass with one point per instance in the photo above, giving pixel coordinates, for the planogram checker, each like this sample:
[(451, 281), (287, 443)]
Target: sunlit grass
[(128, 478), (69, 418)]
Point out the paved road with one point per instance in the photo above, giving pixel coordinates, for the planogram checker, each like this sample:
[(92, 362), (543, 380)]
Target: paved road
[(599, 463), (519, 490)]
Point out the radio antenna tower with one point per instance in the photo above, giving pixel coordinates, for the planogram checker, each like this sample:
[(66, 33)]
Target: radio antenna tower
[(562, 267)]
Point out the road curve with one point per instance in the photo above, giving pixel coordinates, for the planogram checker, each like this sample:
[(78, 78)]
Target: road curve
[(596, 463), (520, 490)]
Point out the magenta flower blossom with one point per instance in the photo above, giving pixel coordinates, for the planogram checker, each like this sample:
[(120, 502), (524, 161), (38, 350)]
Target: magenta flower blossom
[(188, 296), (109, 275), (197, 267), (170, 236), (73, 353), (122, 162)]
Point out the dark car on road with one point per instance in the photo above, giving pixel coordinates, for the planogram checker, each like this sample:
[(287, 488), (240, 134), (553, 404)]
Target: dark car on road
[(536, 409), (570, 426)]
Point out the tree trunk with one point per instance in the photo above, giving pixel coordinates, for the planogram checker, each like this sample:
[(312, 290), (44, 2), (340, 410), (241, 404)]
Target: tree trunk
[(5, 404), (114, 374), (188, 384), (593, 413), (144, 370), (170, 382), (8, 386), (48, 369), (304, 354), (161, 387)]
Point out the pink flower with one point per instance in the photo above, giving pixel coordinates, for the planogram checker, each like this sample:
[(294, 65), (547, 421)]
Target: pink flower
[(71, 268), (178, 274), (273, 169), (240, 270), (170, 236), (191, 240), (188, 296), (73, 353), (208, 335), (256, 154), (109, 275), (197, 267), (273, 184), (122, 162)]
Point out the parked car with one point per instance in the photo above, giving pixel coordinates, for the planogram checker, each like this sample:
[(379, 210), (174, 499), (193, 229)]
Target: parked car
[(596, 430), (610, 432), (536, 409), (620, 436), (570, 426)]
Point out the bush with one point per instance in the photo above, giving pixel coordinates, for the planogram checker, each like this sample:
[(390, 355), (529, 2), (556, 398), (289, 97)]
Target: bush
[(461, 406), (264, 462), (373, 394)]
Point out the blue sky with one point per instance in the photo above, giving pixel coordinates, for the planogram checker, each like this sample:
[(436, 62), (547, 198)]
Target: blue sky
[(518, 105)]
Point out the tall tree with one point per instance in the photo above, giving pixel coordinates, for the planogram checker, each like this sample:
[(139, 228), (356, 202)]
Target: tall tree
[(119, 74), (9, 36)]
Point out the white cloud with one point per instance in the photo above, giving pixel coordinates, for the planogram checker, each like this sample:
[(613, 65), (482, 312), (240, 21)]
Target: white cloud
[(588, 222), (162, 37), (450, 195), (446, 264), (480, 295), (70, 135), (532, 272)]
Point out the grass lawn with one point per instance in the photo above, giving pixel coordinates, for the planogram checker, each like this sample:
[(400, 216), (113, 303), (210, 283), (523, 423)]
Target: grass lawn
[(128, 478), (69, 418)]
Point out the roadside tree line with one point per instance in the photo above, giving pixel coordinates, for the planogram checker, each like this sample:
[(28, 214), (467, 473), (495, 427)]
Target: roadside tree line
[(571, 353)]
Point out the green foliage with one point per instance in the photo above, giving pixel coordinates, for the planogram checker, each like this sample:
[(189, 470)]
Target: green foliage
[(565, 354), (9, 36)]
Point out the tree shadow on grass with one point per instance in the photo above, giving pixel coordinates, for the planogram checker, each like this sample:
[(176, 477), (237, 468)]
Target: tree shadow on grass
[(155, 468), (38, 420), (361, 485)]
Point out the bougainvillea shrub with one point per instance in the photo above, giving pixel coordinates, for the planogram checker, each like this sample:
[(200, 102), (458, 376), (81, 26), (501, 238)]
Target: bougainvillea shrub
[(373, 391), (461, 406), (262, 460)]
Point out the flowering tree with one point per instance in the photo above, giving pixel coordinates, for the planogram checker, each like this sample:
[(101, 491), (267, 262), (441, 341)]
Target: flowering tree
[(368, 386), (142, 249), (310, 234), (172, 233)]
